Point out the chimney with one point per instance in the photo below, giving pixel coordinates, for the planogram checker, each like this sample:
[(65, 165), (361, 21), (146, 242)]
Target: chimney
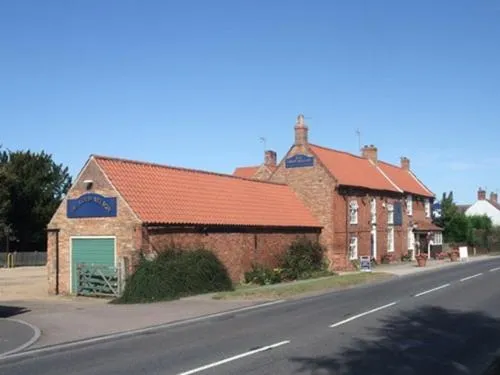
[(494, 197), (405, 163), (481, 194), (270, 158), (301, 131), (370, 152)]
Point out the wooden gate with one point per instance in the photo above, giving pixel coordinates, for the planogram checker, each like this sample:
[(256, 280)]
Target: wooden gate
[(98, 280)]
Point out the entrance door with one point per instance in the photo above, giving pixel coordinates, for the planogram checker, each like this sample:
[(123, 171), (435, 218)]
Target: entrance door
[(90, 250)]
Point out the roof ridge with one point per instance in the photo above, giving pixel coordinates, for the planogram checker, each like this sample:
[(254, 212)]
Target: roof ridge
[(340, 151), (200, 171), (393, 183)]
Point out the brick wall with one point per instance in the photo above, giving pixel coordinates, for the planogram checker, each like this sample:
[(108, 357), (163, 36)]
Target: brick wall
[(314, 186), (263, 173), (126, 228), (236, 249)]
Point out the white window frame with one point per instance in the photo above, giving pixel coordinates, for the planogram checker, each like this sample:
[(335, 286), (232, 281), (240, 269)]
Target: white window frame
[(353, 212), (411, 239), (438, 238), (427, 208), (390, 213), (409, 205), (390, 239), (353, 248), (373, 210)]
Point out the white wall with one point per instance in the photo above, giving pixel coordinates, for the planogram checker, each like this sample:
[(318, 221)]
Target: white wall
[(483, 207)]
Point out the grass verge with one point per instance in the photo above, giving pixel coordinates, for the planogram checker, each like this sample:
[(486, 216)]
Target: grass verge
[(297, 288)]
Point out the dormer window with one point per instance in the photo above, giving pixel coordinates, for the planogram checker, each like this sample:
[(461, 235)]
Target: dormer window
[(353, 212), (409, 205)]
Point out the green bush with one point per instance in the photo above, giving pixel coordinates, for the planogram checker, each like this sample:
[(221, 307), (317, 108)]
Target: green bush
[(263, 275), (303, 259), (175, 274)]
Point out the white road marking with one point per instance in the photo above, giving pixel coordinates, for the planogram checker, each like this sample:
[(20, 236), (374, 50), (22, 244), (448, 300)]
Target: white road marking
[(432, 290), (362, 314), (495, 269), (133, 332), (234, 358), (471, 277)]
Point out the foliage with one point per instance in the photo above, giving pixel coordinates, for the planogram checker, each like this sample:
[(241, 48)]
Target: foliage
[(356, 264), (386, 258), (263, 275), (406, 257), (32, 187), (175, 274), (302, 259)]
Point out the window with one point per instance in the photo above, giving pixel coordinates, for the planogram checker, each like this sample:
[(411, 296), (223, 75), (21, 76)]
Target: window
[(411, 239), (409, 205), (427, 208), (438, 238), (390, 239), (353, 212), (390, 214), (353, 248), (373, 210)]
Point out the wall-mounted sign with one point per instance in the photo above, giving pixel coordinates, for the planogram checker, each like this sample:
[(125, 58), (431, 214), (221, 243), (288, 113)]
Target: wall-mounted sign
[(299, 161), (365, 264), (398, 214), (91, 205)]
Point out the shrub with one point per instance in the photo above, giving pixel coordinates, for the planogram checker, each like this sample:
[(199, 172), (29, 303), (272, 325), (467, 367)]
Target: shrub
[(302, 259), (175, 274), (263, 275)]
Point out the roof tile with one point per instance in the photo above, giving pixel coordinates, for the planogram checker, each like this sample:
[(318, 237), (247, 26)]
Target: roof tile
[(168, 195), (405, 180)]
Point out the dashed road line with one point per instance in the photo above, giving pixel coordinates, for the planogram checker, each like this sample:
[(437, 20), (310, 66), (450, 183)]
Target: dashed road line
[(362, 314), (432, 290), (234, 358), (471, 277), (495, 269)]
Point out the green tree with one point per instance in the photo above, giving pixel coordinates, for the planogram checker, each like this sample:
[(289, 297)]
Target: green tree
[(34, 186)]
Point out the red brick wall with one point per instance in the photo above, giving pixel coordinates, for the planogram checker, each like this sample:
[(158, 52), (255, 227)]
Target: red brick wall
[(314, 186), (236, 250), (125, 227)]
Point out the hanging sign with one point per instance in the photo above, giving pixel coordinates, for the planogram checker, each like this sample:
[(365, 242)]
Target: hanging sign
[(299, 161), (91, 205)]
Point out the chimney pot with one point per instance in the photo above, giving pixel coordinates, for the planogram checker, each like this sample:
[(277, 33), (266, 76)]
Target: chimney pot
[(405, 163), (481, 194), (270, 158), (494, 197), (301, 131), (370, 152)]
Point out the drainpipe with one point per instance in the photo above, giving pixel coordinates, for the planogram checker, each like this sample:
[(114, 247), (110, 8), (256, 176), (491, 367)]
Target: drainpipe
[(56, 231)]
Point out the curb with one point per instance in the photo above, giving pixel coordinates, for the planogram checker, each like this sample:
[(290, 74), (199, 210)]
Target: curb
[(36, 335)]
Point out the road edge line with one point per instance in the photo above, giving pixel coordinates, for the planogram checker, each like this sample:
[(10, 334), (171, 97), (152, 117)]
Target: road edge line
[(36, 335)]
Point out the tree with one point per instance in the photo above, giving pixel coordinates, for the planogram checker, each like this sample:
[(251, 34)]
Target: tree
[(35, 186)]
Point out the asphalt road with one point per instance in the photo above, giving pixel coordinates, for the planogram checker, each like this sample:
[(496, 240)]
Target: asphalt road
[(441, 322), (15, 334)]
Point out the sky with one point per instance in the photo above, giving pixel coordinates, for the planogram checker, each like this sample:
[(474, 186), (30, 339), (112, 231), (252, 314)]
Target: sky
[(196, 83)]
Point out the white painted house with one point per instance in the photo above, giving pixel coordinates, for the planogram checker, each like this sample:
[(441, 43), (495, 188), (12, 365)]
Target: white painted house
[(483, 206)]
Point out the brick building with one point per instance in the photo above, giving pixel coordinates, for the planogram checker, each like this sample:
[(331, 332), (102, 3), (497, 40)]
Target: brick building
[(120, 208), (365, 206)]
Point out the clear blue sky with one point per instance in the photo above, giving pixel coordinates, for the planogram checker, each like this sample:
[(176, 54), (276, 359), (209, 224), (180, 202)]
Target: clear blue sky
[(196, 83)]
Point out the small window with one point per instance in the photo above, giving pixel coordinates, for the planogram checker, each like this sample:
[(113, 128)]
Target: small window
[(411, 239), (409, 205), (438, 238), (390, 214), (427, 208), (353, 212), (390, 239), (373, 210), (353, 248)]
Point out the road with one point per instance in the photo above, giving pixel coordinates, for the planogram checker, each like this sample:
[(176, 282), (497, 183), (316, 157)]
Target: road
[(441, 322)]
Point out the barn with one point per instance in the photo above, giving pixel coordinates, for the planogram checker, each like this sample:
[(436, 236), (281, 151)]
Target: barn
[(121, 209)]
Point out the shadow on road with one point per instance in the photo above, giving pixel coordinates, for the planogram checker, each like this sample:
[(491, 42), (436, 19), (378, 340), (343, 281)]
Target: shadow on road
[(428, 341), (9, 311)]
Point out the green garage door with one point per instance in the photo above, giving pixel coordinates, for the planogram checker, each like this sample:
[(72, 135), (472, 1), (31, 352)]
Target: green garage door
[(91, 251)]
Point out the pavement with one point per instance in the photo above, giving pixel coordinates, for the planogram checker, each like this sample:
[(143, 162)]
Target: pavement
[(445, 322)]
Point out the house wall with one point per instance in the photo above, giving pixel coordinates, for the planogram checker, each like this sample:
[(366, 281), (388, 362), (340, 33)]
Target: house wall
[(315, 187), (483, 207), (263, 173), (126, 227), (237, 249)]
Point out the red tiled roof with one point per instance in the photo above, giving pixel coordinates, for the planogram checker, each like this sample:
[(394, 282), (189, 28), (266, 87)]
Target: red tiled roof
[(168, 195), (351, 170), (246, 172), (427, 226), (405, 180)]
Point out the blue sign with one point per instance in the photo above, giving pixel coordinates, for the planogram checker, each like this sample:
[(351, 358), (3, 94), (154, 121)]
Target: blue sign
[(365, 264), (436, 210), (398, 213), (299, 161), (91, 205)]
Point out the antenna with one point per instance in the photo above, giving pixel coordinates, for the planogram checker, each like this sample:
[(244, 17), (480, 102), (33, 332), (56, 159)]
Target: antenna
[(358, 134), (263, 141)]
